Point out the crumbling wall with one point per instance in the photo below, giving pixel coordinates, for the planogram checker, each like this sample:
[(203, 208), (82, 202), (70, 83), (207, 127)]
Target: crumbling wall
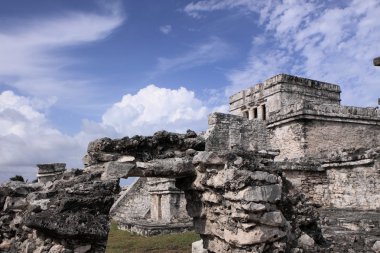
[(240, 203), (289, 139), (347, 179), (67, 215), (282, 91), (228, 132), (238, 199), (328, 136), (132, 205), (314, 130)]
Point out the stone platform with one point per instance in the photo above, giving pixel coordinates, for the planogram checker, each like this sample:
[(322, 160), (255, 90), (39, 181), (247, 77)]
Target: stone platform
[(151, 229)]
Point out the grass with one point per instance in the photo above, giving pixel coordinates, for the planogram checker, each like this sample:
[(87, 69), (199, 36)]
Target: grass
[(120, 241)]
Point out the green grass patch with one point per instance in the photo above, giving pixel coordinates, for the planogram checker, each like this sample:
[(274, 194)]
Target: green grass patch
[(120, 241)]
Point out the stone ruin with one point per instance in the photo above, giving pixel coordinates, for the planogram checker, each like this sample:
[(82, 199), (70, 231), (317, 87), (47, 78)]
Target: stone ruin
[(152, 206), (289, 170)]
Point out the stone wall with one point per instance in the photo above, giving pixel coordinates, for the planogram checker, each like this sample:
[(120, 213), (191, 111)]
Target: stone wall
[(316, 130), (132, 205), (152, 206), (227, 132), (321, 137), (346, 180), (290, 139), (65, 216), (240, 203), (170, 203), (238, 198)]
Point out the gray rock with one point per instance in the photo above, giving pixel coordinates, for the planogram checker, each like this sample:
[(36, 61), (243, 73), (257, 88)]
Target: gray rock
[(306, 241), (376, 247), (82, 249)]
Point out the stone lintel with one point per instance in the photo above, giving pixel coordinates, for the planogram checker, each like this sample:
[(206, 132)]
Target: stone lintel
[(166, 192), (50, 174), (51, 168), (294, 166), (348, 163)]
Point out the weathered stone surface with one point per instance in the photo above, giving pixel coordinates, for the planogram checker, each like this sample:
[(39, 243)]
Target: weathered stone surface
[(266, 193), (306, 241), (116, 170), (256, 235), (376, 247), (57, 217), (156, 206), (143, 148), (197, 247), (252, 218), (83, 249)]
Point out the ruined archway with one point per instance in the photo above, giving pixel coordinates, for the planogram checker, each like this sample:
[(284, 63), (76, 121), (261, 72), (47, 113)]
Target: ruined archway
[(239, 197)]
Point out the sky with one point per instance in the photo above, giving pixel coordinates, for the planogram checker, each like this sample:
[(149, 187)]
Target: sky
[(73, 71)]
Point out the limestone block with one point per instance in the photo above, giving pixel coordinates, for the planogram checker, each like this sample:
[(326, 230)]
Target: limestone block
[(40, 249), (126, 158), (306, 241), (57, 249), (264, 176), (40, 203), (212, 197), (115, 170), (82, 249), (169, 168), (15, 222), (266, 193), (197, 247), (5, 245), (14, 203), (274, 218), (253, 207), (208, 158), (376, 247), (258, 234)]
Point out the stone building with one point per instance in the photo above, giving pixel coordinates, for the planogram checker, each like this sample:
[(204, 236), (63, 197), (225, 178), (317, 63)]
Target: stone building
[(328, 151), (304, 117), (152, 206)]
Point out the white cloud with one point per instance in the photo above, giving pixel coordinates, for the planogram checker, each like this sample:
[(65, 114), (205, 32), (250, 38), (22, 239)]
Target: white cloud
[(30, 60), (154, 108), (27, 137), (213, 50), (328, 41), (195, 8), (166, 29)]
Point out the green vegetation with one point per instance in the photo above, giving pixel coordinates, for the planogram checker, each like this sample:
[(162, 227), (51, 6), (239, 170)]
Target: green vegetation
[(120, 241)]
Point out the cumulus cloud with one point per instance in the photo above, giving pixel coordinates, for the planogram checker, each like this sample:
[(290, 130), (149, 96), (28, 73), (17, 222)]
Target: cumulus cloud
[(27, 137), (209, 52), (154, 108), (166, 29), (329, 41)]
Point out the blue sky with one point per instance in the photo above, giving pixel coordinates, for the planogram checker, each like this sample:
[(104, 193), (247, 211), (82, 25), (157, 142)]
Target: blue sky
[(72, 71)]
